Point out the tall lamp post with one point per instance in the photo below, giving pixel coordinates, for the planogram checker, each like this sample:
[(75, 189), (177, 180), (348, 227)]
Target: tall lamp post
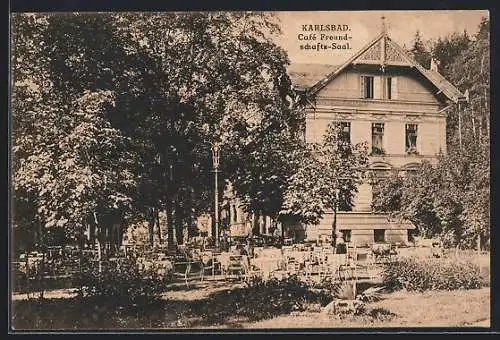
[(215, 159)]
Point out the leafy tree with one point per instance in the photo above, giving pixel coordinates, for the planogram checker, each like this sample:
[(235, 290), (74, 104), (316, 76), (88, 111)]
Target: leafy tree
[(70, 166), (451, 199), (327, 179), (471, 72), (387, 192), (26, 95), (419, 51), (448, 49), (130, 103), (223, 80)]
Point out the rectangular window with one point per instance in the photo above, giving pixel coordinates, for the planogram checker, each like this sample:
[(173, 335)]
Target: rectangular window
[(367, 86), (411, 235), (346, 235), (411, 138), (379, 235), (345, 132), (377, 138), (389, 87)]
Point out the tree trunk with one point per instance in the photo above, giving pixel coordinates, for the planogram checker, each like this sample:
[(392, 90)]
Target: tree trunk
[(170, 225), (480, 133), (99, 244), (281, 224), (121, 229), (158, 234), (256, 225), (179, 222), (486, 113), (151, 226), (334, 228), (459, 127), (82, 237), (106, 240), (99, 255), (38, 235), (487, 128), (92, 234), (474, 129), (262, 224), (192, 227), (157, 217)]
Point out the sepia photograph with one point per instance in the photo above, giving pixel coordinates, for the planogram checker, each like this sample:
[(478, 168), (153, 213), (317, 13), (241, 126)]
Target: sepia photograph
[(249, 170)]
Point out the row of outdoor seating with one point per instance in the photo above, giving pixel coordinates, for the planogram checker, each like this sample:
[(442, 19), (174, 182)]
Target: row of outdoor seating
[(338, 266)]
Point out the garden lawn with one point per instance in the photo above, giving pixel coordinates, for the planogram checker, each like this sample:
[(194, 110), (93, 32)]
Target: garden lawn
[(212, 306), (459, 308)]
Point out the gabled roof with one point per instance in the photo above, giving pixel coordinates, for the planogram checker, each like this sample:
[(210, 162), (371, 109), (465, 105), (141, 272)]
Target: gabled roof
[(381, 51), (304, 76)]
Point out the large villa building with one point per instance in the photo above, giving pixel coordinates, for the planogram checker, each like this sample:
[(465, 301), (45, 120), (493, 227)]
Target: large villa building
[(385, 98), (382, 96)]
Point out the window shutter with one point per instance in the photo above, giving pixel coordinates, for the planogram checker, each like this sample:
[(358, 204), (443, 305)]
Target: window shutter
[(377, 87), (362, 86), (394, 89)]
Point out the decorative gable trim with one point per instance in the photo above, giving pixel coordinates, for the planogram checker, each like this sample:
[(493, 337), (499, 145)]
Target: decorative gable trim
[(374, 53), (392, 55)]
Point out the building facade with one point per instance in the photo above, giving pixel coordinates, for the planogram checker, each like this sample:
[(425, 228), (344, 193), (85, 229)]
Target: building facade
[(386, 99)]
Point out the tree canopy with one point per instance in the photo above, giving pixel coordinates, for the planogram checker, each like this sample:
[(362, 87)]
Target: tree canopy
[(451, 199), (114, 114), (328, 177)]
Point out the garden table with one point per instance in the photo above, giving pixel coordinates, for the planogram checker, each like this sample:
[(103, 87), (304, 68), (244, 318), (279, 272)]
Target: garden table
[(223, 259), (186, 268), (210, 260), (267, 265), (299, 256)]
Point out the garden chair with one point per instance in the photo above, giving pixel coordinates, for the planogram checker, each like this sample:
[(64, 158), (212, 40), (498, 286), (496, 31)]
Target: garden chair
[(236, 268), (281, 269), (346, 267), (292, 266), (333, 264), (314, 265), (211, 262), (364, 264), (253, 272), (34, 268), (322, 264), (188, 269)]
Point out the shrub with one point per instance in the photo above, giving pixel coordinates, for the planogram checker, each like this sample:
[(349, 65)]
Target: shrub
[(269, 298), (344, 290), (431, 274), (380, 314), (124, 285)]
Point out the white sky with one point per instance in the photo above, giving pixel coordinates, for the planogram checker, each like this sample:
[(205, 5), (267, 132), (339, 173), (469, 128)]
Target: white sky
[(365, 25)]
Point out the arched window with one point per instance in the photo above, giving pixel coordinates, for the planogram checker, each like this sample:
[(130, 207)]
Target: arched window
[(411, 166)]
